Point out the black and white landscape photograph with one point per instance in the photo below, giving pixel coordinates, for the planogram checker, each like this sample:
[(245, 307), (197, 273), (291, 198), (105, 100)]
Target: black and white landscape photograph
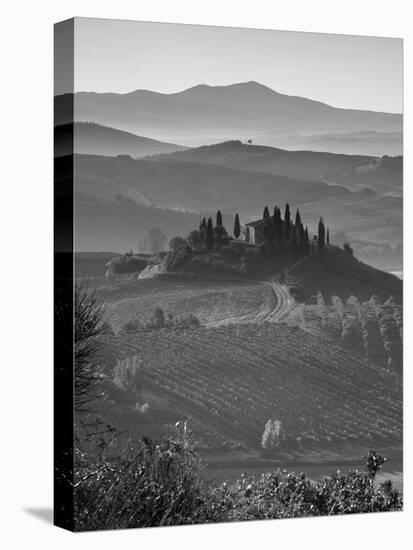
[(238, 273)]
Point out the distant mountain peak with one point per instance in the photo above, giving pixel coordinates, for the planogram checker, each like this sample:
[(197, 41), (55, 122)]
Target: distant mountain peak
[(251, 84)]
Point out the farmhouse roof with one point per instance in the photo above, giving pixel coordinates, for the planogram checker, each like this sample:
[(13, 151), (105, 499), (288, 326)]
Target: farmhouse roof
[(258, 222)]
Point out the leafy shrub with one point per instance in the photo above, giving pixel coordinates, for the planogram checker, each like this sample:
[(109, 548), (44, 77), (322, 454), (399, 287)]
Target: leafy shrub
[(133, 325), (128, 263), (161, 484), (153, 484), (189, 320), (347, 248)]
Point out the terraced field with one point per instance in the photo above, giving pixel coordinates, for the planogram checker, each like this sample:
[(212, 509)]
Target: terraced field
[(231, 380)]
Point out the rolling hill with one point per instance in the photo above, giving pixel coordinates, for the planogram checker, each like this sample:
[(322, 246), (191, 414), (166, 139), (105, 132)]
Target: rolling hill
[(370, 143), (172, 194), (380, 174), (335, 272), (95, 139), (207, 114), (194, 186), (259, 158)]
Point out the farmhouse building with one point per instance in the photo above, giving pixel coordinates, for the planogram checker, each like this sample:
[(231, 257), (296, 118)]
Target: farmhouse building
[(255, 231)]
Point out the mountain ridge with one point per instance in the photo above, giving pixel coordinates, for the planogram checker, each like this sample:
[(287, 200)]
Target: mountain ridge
[(204, 114), (250, 84)]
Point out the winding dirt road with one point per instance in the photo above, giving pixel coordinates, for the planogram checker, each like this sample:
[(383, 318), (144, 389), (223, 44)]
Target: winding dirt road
[(283, 302)]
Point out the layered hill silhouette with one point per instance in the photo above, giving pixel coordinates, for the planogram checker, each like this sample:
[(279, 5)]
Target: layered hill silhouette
[(366, 143), (206, 114), (380, 174), (95, 139)]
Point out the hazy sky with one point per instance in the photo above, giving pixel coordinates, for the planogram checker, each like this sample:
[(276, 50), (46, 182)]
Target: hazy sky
[(343, 71)]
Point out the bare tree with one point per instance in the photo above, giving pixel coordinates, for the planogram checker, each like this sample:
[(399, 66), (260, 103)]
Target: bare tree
[(157, 240)]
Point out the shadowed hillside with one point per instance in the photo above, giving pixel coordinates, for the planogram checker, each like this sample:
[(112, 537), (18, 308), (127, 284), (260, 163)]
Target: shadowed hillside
[(335, 272), (95, 139)]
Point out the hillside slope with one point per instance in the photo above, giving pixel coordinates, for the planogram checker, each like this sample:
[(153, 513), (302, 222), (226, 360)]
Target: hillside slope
[(95, 139), (231, 380), (259, 158), (380, 174), (195, 186), (335, 272), (203, 188)]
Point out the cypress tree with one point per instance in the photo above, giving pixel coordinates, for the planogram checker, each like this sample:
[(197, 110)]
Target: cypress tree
[(237, 227), (202, 230), (297, 219), (278, 226), (219, 218), (321, 234), (270, 235), (266, 213), (306, 242), (287, 223), (209, 240), (301, 239), (293, 244)]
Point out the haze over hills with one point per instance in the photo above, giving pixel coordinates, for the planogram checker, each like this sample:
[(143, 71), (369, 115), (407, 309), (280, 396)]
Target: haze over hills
[(110, 192), (207, 114), (194, 186), (381, 175), (364, 143), (95, 139)]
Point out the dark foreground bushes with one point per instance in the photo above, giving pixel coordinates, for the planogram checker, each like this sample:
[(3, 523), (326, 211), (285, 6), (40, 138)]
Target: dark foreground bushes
[(159, 484)]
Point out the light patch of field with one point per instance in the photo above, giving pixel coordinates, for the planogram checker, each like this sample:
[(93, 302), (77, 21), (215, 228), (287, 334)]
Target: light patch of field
[(210, 301)]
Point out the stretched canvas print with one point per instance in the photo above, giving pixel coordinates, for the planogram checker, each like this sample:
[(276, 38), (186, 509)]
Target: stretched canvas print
[(228, 274)]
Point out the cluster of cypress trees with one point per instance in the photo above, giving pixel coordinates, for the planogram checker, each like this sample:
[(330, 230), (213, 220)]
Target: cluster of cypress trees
[(211, 235), (280, 235), (284, 236)]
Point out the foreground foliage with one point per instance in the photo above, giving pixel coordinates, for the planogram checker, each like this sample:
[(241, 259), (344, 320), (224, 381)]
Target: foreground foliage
[(158, 484)]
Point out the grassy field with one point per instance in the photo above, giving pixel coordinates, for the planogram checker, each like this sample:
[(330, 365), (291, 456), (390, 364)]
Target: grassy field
[(128, 298)]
